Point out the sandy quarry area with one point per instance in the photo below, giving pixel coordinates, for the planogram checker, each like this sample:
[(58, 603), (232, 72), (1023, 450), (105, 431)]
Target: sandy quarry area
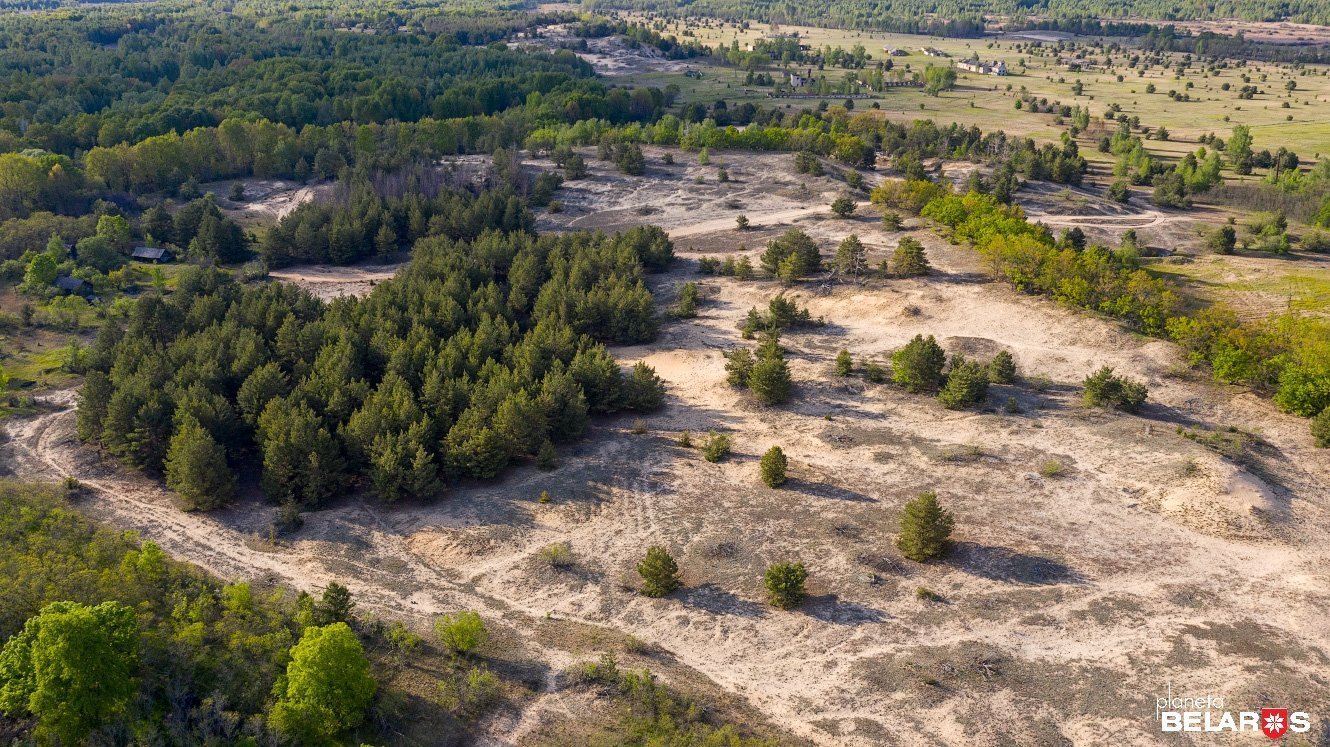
[(266, 200), (1069, 603)]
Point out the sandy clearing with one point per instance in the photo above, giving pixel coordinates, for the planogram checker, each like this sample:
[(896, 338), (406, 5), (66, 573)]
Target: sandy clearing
[(1151, 560), (331, 281)]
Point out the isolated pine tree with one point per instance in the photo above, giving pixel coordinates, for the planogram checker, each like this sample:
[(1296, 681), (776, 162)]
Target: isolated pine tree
[(925, 528), (909, 259), (660, 574), (785, 584), (844, 363), (1002, 369), (773, 467)]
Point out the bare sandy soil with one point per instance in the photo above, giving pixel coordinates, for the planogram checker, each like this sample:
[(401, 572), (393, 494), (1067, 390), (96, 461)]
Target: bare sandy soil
[(266, 200), (610, 55), (762, 186), (334, 281), (1070, 601)]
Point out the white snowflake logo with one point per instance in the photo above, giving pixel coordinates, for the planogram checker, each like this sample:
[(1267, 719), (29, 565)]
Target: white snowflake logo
[(1274, 723)]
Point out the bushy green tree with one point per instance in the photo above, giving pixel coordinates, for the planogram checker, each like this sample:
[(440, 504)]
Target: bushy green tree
[(795, 248), (334, 605), (769, 379), (72, 668), (909, 259), (773, 466), (966, 384), (918, 366), (851, 257), (327, 687), (643, 390), (196, 467), (716, 447), (785, 584), (843, 207), (659, 572), (1321, 429), (461, 633), (925, 528), (1002, 369), (41, 272), (1105, 389), (844, 363), (739, 366)]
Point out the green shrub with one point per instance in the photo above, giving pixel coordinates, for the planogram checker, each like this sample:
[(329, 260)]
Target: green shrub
[(785, 584), (1321, 429), (844, 364), (547, 458), (659, 572), (773, 467), (462, 633), (1051, 468), (927, 595), (739, 366), (558, 555), (925, 528), (1104, 389), (716, 447)]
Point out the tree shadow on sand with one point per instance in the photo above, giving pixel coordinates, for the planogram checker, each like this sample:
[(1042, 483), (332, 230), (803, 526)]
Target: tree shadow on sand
[(830, 608), (718, 601), (1010, 566)]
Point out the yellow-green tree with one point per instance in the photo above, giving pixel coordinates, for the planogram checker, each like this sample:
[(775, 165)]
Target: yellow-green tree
[(327, 688)]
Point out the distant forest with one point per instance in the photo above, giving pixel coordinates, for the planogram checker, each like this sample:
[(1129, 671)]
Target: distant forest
[(963, 18)]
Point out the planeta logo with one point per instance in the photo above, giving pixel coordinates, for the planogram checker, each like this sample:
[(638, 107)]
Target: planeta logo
[(1274, 722), (1207, 713)]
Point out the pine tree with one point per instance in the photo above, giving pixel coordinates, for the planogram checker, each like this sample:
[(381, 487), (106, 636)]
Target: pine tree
[(851, 257), (770, 380), (785, 584), (738, 367), (773, 467), (967, 384), (918, 365), (844, 363), (660, 574), (909, 259), (643, 389), (1002, 369), (925, 528), (196, 467), (843, 207), (1321, 429)]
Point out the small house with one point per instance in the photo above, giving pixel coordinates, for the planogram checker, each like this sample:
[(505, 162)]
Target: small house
[(154, 254), (73, 286)]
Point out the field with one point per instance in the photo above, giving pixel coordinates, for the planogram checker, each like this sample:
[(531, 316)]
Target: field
[(1100, 558), (989, 101)]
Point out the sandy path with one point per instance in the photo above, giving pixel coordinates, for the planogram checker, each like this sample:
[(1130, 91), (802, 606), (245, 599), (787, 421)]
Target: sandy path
[(1144, 219), (759, 219)]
